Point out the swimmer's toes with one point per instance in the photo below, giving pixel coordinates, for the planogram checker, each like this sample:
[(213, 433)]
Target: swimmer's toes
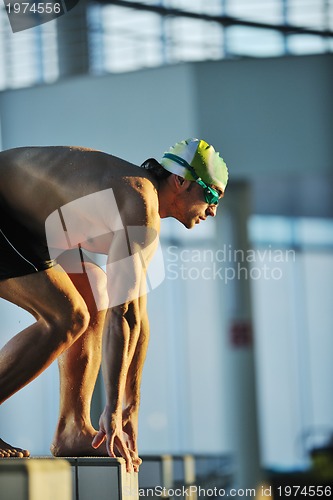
[(7, 451)]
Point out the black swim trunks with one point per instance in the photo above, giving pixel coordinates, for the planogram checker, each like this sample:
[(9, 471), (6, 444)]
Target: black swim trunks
[(21, 253)]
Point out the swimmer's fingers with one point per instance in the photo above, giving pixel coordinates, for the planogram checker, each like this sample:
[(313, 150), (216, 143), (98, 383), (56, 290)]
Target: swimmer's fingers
[(110, 429), (116, 442), (98, 439), (136, 460)]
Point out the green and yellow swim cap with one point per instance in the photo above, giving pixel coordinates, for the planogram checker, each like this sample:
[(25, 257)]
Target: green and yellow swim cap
[(206, 162)]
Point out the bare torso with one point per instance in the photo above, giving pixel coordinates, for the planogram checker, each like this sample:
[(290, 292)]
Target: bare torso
[(35, 182)]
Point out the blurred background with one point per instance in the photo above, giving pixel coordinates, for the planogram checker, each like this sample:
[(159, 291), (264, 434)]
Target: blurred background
[(240, 357)]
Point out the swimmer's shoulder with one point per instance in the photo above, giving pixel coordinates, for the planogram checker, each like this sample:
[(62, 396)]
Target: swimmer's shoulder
[(140, 199)]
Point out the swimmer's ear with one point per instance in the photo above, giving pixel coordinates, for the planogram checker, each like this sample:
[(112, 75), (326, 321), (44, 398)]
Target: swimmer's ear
[(180, 182)]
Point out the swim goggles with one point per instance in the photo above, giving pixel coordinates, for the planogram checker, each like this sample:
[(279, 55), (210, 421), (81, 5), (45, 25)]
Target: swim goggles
[(212, 197)]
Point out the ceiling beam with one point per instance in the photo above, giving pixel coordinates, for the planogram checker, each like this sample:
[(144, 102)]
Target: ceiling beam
[(222, 19)]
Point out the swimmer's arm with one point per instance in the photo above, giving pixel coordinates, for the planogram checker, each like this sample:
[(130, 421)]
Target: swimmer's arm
[(128, 348), (120, 354), (127, 329), (122, 330), (132, 390), (138, 355), (122, 327), (134, 375)]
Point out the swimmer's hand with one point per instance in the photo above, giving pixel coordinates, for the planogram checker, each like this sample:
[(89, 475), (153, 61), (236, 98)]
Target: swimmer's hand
[(130, 428), (111, 430)]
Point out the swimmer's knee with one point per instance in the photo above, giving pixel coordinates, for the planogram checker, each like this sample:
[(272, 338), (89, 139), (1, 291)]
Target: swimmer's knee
[(70, 323), (80, 319)]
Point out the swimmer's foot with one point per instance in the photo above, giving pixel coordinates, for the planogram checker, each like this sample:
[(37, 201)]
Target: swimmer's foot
[(74, 442), (71, 441), (8, 451)]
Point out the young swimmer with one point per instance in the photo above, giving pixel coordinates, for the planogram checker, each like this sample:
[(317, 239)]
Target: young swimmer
[(55, 203)]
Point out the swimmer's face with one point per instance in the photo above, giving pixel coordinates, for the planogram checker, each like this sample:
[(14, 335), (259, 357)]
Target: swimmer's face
[(192, 206)]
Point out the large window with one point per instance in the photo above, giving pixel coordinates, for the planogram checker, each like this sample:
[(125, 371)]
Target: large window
[(28, 57), (118, 39), (294, 344)]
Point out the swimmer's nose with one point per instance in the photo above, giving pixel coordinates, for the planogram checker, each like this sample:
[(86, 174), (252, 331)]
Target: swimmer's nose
[(211, 210)]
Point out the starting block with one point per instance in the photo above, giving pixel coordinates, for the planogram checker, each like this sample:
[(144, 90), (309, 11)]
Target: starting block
[(105, 478), (35, 479)]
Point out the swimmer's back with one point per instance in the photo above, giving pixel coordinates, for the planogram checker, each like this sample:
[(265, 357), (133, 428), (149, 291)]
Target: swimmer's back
[(35, 181)]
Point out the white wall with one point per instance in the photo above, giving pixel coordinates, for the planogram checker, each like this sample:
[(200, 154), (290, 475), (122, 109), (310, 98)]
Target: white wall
[(271, 116), (134, 116), (264, 115)]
